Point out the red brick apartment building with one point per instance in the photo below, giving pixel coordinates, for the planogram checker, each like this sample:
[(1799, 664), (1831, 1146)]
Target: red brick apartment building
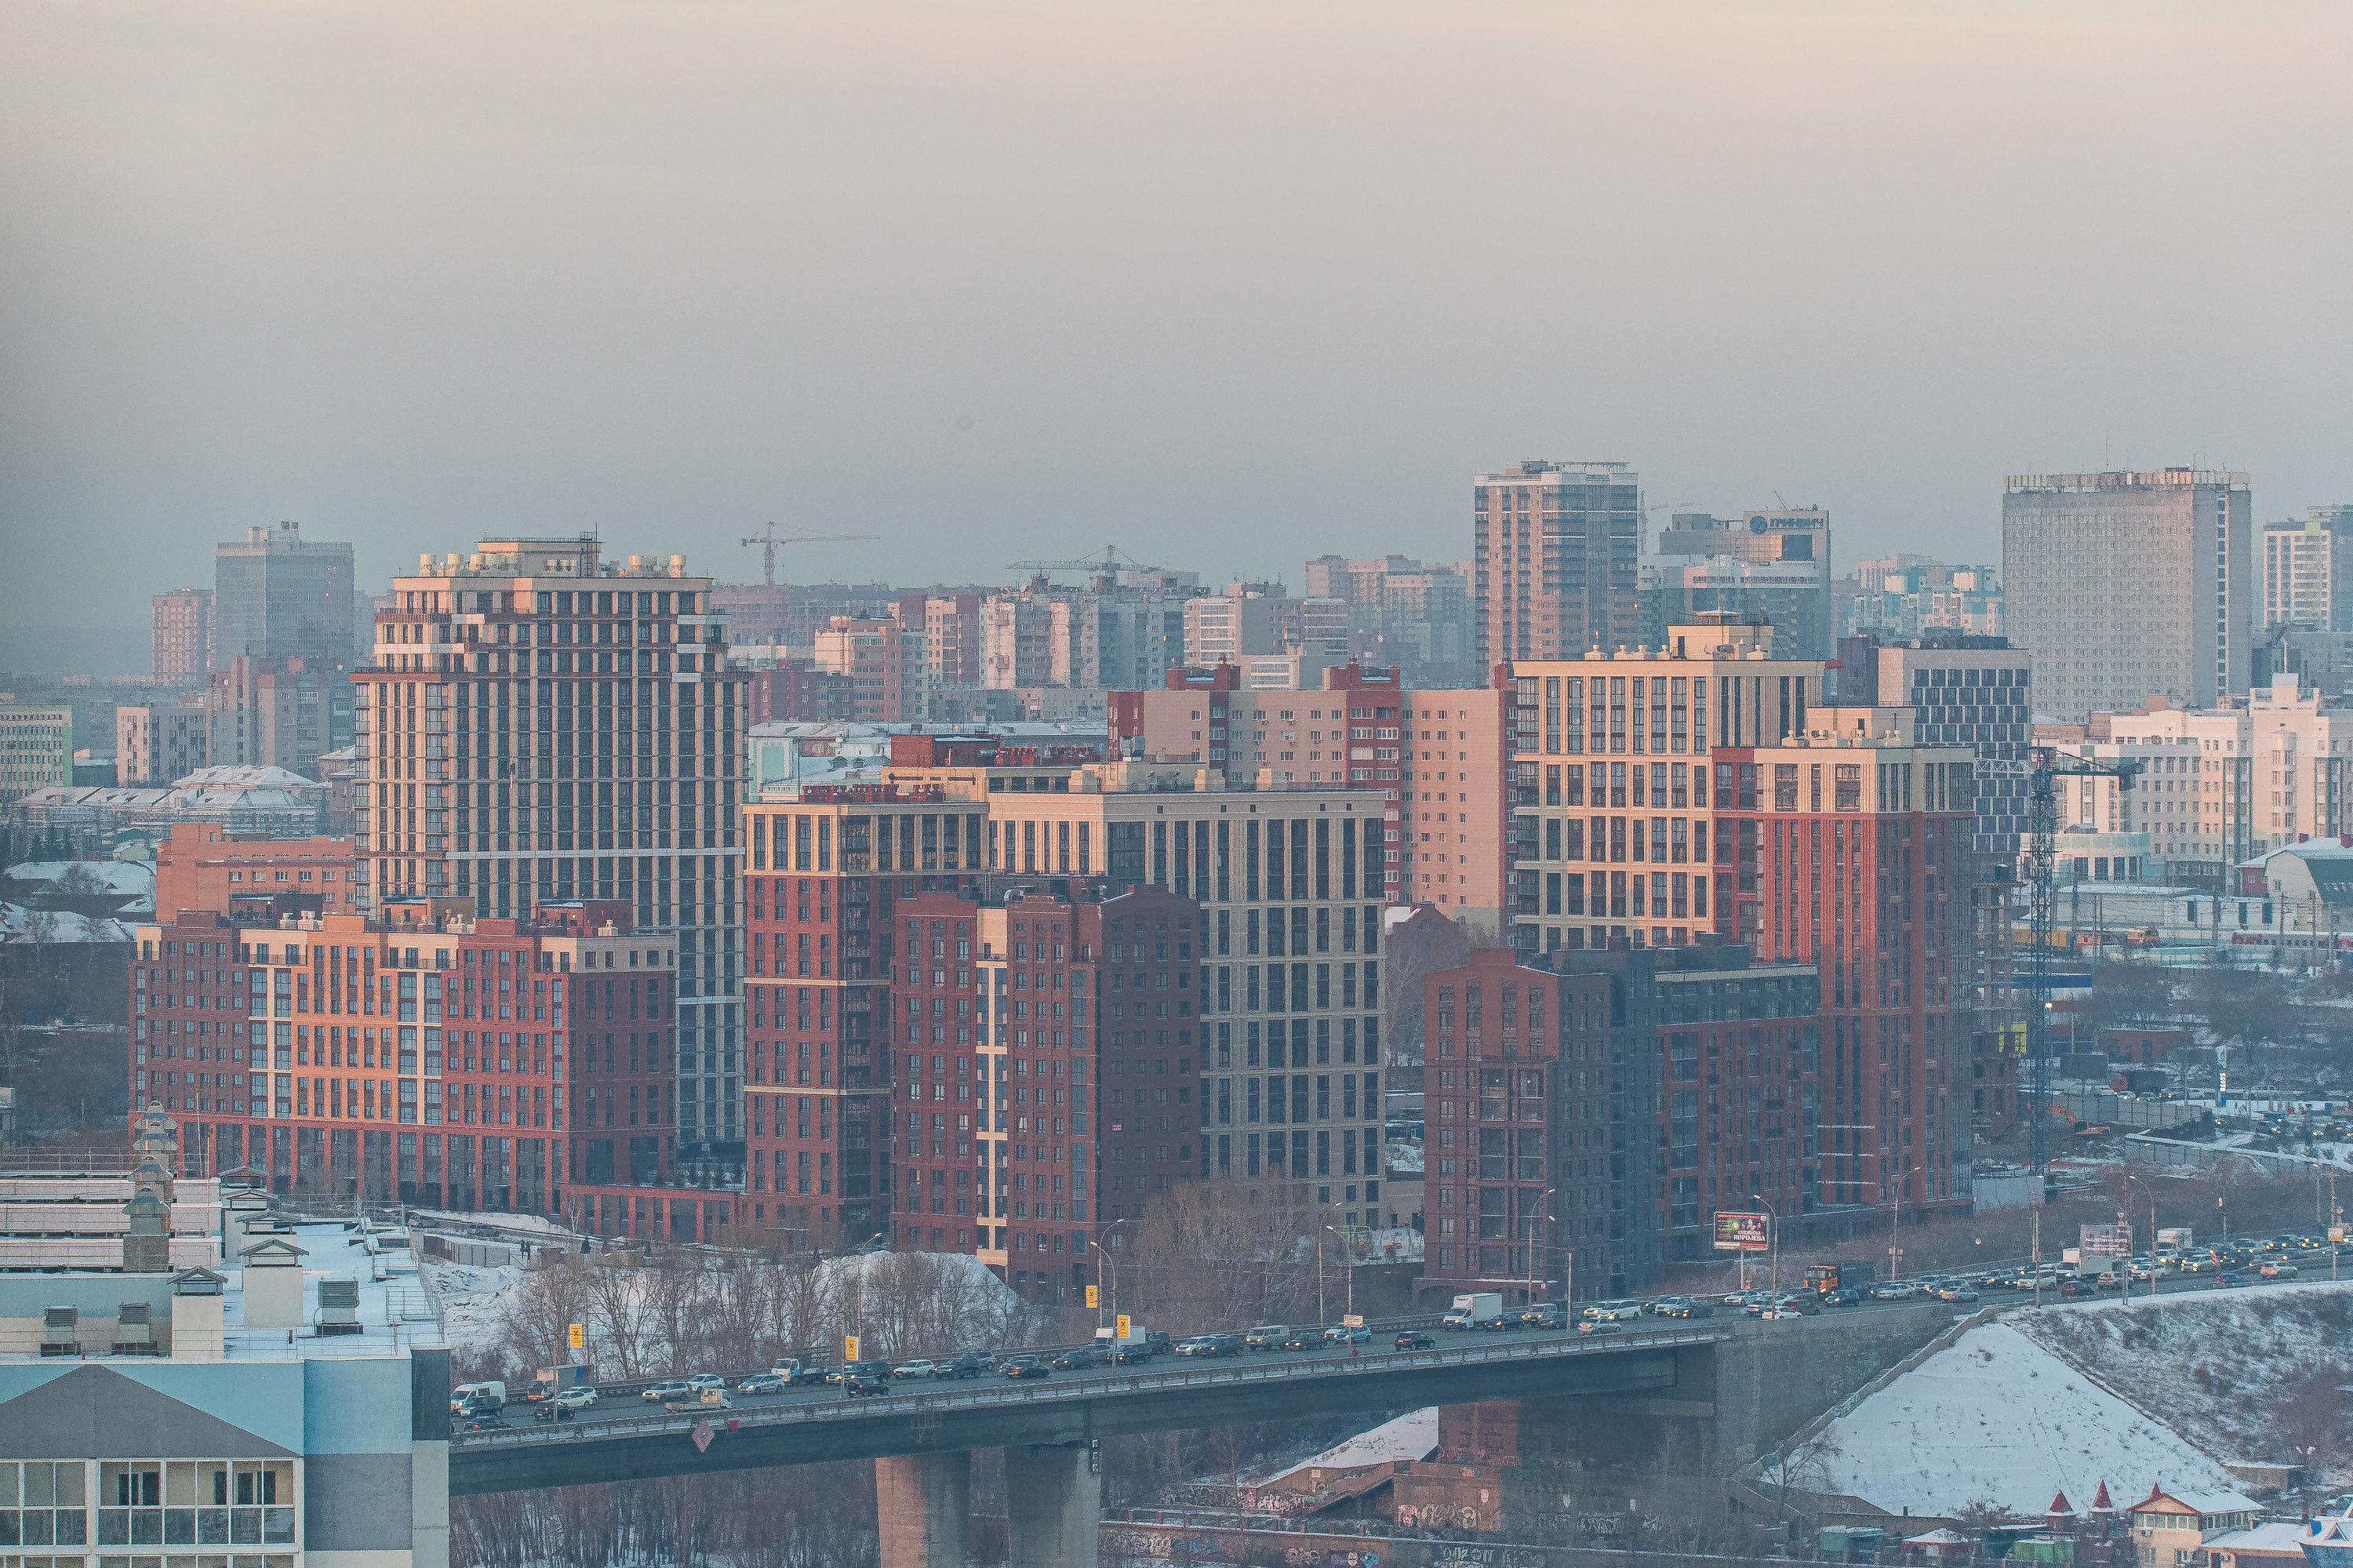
[(424, 1055), (1048, 1041)]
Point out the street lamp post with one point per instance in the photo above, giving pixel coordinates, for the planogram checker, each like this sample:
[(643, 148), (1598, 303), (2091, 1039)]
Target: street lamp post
[(2155, 1279), (1542, 1207), (1775, 1215), (1110, 1261), (1895, 1237), (1348, 1264)]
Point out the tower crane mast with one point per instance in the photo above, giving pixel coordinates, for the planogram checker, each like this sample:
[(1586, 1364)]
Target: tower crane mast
[(769, 540)]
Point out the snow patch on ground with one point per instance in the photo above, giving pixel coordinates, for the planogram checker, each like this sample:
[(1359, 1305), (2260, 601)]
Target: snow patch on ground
[(472, 1304), (494, 1219), (1998, 1417), (1413, 1436), (2222, 1367)]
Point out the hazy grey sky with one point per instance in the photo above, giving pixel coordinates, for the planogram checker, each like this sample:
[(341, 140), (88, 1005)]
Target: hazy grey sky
[(1224, 284)]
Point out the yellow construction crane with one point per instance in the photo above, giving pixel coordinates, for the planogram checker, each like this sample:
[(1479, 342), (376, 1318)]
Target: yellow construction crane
[(768, 539)]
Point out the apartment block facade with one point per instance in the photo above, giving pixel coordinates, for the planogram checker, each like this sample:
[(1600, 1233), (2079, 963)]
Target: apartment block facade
[(539, 725), (827, 866), (156, 742), (1048, 1037), (277, 595), (1770, 563), (420, 1053), (2308, 571), (36, 747), (2121, 584), (1847, 846), (202, 867), (1964, 690), (181, 641), (1613, 816), (1556, 546)]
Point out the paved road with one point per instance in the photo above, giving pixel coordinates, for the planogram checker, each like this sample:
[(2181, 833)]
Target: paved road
[(620, 1407)]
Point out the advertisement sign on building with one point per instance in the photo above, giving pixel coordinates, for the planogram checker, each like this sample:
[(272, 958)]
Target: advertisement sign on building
[(1742, 1233)]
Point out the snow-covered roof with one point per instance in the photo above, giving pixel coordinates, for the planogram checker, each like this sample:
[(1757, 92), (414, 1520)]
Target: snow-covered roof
[(122, 878), (2205, 1502), (2285, 1538), (19, 924)]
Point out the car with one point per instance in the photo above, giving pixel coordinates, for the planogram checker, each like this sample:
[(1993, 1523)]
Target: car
[(2277, 1271), (550, 1413), (483, 1421), (1895, 1290), (1599, 1326), (972, 1363), (1266, 1337), (1549, 1315), (761, 1383), (1960, 1294), (1199, 1345), (1024, 1366), (1614, 1311), (1341, 1334), (1078, 1358), (1794, 1304), (916, 1369), (1135, 1354), (1303, 1340), (1412, 1340), (1845, 1295), (1735, 1298), (668, 1388), (702, 1381), (862, 1385), (575, 1399), (1683, 1306)]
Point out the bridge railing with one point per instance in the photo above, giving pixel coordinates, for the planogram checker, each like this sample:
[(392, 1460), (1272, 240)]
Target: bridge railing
[(1021, 1394)]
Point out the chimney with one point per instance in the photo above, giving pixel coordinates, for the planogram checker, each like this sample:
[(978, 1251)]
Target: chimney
[(196, 1315), (273, 1285), (147, 1243)]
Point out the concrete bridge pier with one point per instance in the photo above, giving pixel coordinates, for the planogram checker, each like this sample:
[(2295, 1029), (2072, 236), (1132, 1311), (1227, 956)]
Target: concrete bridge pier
[(922, 1503), (1054, 1506)]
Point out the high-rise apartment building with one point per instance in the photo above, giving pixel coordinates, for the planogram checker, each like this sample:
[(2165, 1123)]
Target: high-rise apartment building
[(1121, 633), (827, 867), (1845, 844), (275, 712), (277, 595), (2124, 585), (1438, 756), (1964, 690), (183, 636), (1769, 565), (1292, 885), (538, 726), (882, 660), (1611, 791), (2308, 571), (1555, 547), (1404, 613), (1260, 617), (155, 743), (35, 749), (1048, 1039)]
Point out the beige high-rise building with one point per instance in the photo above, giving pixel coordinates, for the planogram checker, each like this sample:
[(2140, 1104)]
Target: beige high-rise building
[(2124, 584), (2308, 571), (182, 642), (1438, 756), (1555, 549), (538, 726), (1611, 801)]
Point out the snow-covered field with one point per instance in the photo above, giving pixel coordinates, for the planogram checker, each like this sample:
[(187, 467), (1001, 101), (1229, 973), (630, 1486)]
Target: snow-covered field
[(469, 1301), (2008, 1414), (1997, 1418)]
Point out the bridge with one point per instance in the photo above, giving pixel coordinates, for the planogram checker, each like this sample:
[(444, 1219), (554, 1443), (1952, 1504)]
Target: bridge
[(1731, 1385)]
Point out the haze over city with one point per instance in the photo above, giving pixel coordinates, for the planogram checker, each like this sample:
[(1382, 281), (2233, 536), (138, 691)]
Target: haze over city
[(1210, 282), (931, 784)]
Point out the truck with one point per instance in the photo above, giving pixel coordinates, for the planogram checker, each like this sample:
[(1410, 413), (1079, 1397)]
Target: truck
[(1844, 1275), (1140, 1343), (1475, 1309), (468, 1398), (549, 1381)]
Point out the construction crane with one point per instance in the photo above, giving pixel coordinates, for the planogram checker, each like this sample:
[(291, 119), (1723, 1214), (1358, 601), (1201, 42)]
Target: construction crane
[(2042, 836), (1108, 566), (768, 539)]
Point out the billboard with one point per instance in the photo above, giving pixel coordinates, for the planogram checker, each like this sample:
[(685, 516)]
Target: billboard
[(2107, 1241), (1742, 1233)]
